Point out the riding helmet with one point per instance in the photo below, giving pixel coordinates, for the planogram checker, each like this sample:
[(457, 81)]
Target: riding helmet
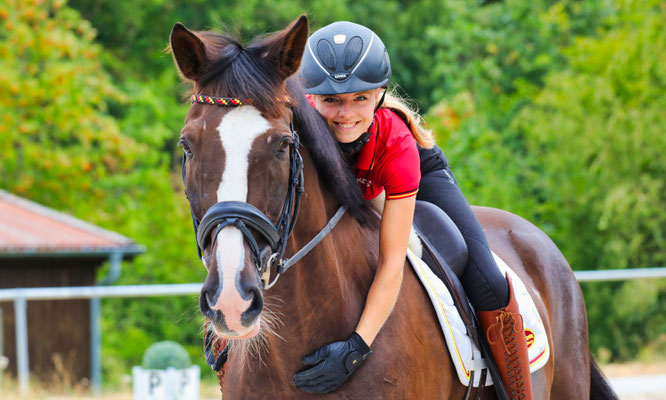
[(344, 57)]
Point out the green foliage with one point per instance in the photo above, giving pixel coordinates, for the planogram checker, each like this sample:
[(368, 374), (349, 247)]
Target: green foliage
[(74, 139), (163, 355), (571, 140), (58, 138), (597, 131)]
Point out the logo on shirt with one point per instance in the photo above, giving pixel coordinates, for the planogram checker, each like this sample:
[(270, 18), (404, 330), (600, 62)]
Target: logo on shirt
[(364, 182)]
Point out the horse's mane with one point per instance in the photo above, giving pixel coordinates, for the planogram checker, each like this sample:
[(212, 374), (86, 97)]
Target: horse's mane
[(243, 72), (326, 154)]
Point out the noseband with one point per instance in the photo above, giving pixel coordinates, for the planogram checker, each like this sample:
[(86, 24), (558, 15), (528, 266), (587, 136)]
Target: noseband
[(243, 215)]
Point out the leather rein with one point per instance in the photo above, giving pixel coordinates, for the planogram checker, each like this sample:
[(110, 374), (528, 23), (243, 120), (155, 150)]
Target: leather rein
[(243, 215)]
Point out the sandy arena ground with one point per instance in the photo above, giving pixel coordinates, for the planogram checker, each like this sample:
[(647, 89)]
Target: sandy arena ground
[(632, 381)]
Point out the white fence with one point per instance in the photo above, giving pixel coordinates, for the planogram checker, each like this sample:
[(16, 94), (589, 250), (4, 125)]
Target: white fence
[(20, 296)]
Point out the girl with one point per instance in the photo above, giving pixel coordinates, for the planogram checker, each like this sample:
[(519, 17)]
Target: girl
[(346, 71)]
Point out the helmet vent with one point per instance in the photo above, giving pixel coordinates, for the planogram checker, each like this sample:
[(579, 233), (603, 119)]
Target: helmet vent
[(326, 54), (352, 52)]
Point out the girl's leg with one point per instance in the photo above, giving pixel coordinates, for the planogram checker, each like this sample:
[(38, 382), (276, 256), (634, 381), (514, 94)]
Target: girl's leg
[(489, 292), (483, 282)]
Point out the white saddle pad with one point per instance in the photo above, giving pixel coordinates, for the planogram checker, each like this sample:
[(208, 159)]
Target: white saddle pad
[(466, 357)]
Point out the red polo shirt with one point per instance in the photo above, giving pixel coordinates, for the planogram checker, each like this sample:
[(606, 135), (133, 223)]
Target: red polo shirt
[(390, 160)]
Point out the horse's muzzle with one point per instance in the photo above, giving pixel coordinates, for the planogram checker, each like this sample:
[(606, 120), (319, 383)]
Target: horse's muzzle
[(233, 319)]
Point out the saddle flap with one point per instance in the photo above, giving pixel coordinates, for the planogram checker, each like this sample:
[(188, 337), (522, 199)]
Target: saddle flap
[(442, 234)]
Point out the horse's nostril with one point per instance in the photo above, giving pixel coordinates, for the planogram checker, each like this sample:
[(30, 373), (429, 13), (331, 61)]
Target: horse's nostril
[(257, 304), (204, 304), (257, 301)]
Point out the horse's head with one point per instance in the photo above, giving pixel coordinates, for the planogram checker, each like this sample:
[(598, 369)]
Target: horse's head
[(237, 162)]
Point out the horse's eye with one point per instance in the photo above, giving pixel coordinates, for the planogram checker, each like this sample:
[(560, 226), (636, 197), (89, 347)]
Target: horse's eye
[(186, 148), (284, 146)]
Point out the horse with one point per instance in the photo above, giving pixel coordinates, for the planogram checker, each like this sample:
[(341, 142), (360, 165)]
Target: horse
[(242, 165)]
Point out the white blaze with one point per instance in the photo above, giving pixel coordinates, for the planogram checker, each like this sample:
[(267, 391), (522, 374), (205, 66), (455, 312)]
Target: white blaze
[(238, 130)]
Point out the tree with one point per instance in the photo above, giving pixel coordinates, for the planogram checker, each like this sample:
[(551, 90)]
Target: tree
[(597, 131), (62, 147)]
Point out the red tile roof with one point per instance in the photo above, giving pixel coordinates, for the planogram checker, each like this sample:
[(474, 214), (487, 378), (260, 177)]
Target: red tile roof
[(29, 228)]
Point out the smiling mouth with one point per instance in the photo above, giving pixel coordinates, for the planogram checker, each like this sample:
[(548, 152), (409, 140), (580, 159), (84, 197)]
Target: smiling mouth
[(348, 125)]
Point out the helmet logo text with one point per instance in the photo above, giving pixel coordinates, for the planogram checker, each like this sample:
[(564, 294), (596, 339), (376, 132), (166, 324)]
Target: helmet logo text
[(340, 77)]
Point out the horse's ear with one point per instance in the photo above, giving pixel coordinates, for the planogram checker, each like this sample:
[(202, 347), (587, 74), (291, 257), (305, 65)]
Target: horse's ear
[(188, 51), (287, 46)]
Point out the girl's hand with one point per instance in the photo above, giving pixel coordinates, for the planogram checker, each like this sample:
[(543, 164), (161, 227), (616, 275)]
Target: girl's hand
[(333, 364)]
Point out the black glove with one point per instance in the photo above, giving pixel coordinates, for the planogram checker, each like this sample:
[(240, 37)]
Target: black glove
[(335, 362)]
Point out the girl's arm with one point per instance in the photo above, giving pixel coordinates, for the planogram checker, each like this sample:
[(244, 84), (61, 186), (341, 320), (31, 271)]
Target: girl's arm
[(331, 365), (393, 238)]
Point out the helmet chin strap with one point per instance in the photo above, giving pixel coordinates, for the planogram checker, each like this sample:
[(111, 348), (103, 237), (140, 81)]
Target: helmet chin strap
[(352, 148), (381, 101)]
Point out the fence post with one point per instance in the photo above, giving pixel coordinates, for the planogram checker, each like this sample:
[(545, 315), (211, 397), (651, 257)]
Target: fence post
[(2, 349), (22, 366), (115, 260), (95, 344)]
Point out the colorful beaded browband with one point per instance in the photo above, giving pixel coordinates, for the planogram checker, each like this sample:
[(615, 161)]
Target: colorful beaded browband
[(229, 101)]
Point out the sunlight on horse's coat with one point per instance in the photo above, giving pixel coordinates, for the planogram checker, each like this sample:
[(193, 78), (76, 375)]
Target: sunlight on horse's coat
[(238, 131)]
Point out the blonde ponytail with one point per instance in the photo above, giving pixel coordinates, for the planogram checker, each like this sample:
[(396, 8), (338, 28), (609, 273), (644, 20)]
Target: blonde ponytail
[(424, 137)]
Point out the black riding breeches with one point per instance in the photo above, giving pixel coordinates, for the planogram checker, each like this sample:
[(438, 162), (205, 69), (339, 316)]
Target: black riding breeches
[(483, 282)]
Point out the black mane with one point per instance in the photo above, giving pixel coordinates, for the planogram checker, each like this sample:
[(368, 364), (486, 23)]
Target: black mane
[(325, 153), (246, 73)]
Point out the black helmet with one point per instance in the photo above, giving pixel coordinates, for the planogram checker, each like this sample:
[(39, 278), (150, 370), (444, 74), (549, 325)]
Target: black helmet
[(344, 57)]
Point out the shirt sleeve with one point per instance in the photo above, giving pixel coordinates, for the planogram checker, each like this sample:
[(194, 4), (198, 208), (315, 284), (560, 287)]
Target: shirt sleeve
[(401, 170)]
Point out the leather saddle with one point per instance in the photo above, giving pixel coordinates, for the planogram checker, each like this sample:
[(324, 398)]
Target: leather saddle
[(445, 252)]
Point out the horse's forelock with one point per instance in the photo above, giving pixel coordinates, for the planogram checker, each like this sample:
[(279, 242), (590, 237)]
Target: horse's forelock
[(234, 70)]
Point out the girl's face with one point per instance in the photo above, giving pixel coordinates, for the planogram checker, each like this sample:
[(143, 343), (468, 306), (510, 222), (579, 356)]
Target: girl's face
[(348, 114)]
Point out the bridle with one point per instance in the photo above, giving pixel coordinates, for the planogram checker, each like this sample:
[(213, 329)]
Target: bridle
[(243, 215)]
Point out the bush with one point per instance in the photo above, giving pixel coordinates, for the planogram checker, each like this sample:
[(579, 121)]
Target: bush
[(162, 355)]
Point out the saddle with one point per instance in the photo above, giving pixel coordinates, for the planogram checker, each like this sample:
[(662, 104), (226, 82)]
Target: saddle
[(445, 252)]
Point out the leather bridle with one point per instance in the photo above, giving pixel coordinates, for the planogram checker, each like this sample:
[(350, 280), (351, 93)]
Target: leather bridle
[(243, 215)]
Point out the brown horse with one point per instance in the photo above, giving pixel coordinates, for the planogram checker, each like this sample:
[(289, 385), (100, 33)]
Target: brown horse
[(240, 156)]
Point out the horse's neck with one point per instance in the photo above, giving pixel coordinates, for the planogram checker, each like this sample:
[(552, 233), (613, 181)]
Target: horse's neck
[(319, 300)]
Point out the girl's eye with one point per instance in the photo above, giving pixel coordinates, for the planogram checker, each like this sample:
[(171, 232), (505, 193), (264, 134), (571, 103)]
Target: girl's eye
[(330, 100), (361, 98)]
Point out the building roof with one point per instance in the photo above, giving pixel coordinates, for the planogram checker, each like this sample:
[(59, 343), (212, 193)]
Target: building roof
[(28, 228)]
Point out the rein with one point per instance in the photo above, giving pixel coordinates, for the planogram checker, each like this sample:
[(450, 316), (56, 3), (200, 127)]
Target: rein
[(243, 215)]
